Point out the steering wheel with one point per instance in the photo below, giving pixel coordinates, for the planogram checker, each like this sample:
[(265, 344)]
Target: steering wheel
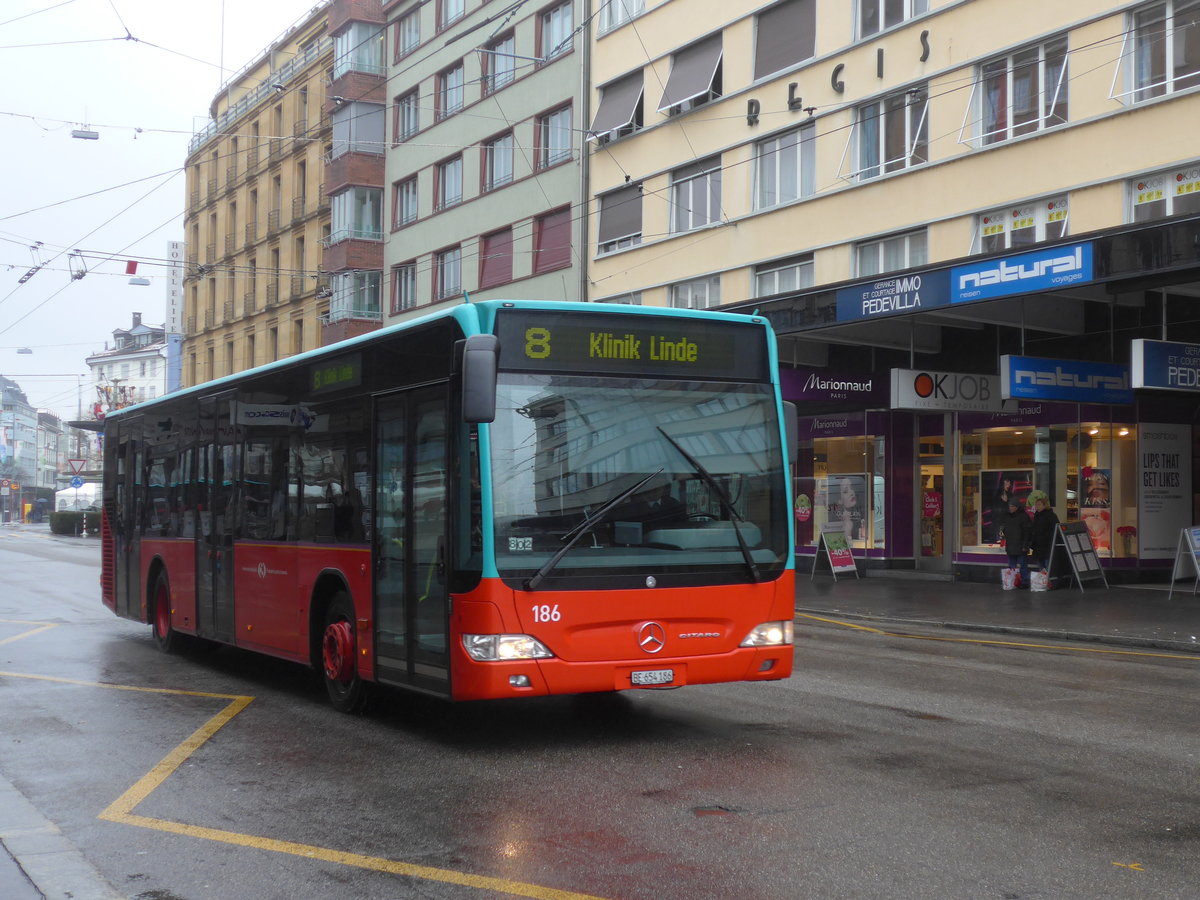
[(702, 517)]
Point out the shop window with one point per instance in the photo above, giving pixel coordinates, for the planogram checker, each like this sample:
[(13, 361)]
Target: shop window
[(1022, 226), (1174, 193), (841, 480), (1085, 470)]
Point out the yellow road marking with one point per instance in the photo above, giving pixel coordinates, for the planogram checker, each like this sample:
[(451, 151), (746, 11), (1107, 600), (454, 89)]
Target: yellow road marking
[(121, 809), (42, 626), (1137, 867), (1025, 644)]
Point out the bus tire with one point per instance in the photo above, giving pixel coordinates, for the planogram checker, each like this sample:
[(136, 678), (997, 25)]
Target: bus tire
[(339, 656), (165, 637)]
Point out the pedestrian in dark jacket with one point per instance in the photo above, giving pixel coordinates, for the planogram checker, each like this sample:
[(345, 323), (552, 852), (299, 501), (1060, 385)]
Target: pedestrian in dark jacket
[(1045, 520), (1015, 530)]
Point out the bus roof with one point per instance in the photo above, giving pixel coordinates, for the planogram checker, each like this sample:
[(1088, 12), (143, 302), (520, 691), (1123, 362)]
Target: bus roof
[(474, 317)]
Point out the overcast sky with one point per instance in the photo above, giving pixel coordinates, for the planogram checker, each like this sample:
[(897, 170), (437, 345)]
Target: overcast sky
[(141, 74)]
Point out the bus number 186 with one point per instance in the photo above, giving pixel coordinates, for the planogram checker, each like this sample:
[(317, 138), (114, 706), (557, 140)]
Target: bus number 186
[(546, 613)]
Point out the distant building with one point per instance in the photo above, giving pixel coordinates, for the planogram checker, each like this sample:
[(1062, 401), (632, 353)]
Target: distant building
[(257, 212), (132, 371), (18, 450)]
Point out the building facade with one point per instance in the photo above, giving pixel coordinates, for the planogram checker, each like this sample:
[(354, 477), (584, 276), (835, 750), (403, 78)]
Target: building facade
[(257, 216), (356, 107), (919, 194), (484, 168), (133, 370)]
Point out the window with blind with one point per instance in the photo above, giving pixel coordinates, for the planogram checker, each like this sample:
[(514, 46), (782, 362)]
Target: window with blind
[(552, 240), (495, 258), (620, 218), (784, 36)]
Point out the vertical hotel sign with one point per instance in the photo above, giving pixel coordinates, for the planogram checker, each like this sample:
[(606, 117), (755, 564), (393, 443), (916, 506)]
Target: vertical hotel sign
[(175, 251)]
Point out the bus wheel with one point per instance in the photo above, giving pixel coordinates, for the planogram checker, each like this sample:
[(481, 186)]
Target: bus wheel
[(346, 690), (165, 637)]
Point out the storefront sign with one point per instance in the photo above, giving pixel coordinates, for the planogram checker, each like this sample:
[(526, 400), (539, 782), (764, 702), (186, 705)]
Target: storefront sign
[(804, 385), (1164, 487), (925, 390), (849, 424), (1026, 377), (1165, 365), (1041, 270), (890, 296)]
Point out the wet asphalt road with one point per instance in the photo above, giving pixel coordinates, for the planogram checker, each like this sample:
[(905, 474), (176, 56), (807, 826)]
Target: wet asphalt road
[(898, 766)]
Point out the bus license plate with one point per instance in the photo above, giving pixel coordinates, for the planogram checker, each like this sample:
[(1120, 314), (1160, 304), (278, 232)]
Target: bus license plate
[(654, 676)]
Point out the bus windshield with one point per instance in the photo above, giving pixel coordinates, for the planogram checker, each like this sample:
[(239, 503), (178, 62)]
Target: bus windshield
[(636, 478)]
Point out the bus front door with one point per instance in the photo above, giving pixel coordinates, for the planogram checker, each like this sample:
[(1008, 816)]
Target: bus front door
[(411, 554), (217, 475)]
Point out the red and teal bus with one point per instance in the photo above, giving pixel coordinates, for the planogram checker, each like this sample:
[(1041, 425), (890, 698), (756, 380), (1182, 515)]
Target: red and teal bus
[(504, 499)]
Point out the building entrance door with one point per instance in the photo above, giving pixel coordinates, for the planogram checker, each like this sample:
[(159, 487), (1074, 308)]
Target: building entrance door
[(935, 496)]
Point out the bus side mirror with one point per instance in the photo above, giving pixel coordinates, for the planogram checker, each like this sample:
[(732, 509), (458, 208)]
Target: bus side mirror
[(791, 428), (480, 359)]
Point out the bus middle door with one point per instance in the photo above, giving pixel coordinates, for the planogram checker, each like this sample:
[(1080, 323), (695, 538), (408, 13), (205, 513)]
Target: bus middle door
[(218, 476), (411, 552)]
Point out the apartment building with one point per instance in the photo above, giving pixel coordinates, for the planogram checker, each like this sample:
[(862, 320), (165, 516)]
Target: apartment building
[(957, 215), (257, 216), (484, 166), (356, 107)]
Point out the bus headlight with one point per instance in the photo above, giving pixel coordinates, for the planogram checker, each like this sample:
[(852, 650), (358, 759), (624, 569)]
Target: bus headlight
[(501, 647), (769, 634)]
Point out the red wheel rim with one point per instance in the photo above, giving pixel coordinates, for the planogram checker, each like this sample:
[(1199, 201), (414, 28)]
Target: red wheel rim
[(338, 651), (162, 612)]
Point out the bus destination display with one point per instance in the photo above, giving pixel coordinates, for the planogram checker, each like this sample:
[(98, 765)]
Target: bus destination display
[(584, 342)]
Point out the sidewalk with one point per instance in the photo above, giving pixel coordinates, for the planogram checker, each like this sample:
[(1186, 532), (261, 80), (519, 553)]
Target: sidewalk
[(1125, 615), (38, 861)]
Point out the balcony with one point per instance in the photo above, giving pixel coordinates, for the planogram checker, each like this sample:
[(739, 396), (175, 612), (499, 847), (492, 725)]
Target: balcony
[(212, 188), (227, 310), (210, 253), (251, 233), (273, 293), (273, 221), (210, 318), (353, 253), (230, 244), (347, 324), (251, 159), (354, 167), (249, 303), (276, 152), (298, 204), (231, 176)]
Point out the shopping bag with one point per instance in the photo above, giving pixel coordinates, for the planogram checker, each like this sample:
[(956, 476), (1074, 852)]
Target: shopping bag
[(1010, 579), (1040, 581)]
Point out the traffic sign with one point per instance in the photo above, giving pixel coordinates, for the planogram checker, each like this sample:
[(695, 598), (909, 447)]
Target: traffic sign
[(76, 465), (77, 482)]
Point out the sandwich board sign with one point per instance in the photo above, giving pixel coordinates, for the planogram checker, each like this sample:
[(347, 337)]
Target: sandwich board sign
[(1187, 559), (834, 547), (1072, 541)]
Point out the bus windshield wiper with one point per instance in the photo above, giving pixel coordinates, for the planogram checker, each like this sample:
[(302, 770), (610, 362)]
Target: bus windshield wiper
[(722, 498), (572, 537)]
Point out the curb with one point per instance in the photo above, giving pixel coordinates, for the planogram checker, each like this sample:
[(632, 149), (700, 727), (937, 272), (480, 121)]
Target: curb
[(1119, 640)]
